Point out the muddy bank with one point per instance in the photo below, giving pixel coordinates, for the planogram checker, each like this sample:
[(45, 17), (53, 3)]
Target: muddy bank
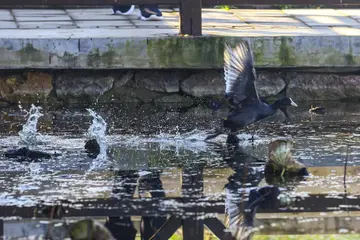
[(166, 86)]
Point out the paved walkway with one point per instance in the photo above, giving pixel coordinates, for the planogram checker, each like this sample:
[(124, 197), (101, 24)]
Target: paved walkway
[(235, 22)]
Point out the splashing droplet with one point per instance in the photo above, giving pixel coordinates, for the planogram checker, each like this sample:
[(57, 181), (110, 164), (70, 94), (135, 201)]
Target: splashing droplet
[(97, 131), (28, 134)]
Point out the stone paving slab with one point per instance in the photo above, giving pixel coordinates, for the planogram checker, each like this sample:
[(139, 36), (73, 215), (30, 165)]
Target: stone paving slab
[(168, 23), (323, 21), (86, 16), (36, 12), (6, 15), (258, 12), (8, 24), (312, 12), (146, 32), (43, 19), (275, 21), (47, 25), (90, 10), (105, 24), (349, 12), (258, 20), (352, 13)]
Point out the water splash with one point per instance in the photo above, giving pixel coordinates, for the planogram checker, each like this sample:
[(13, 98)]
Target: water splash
[(97, 131), (28, 134)]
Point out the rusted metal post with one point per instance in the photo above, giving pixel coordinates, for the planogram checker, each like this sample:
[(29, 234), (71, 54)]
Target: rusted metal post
[(190, 17)]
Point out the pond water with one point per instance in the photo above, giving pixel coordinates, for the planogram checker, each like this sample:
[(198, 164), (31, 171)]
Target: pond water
[(156, 172)]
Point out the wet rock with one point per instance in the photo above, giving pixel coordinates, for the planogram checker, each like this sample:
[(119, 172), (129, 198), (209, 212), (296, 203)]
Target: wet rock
[(132, 94), (269, 84), (92, 147), (27, 87), (122, 80), (80, 87), (160, 81), (5, 103), (200, 111), (175, 98), (312, 86), (207, 83), (125, 90)]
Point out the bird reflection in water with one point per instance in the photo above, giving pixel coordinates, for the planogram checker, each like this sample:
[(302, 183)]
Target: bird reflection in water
[(251, 188), (124, 187)]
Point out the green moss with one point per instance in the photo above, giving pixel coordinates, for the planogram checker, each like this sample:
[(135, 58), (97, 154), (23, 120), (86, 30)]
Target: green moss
[(30, 54), (286, 53), (259, 50), (333, 57), (350, 60), (94, 58), (69, 58), (108, 57), (186, 52), (130, 48)]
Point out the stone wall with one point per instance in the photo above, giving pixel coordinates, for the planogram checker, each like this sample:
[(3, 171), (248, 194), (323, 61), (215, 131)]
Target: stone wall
[(162, 86)]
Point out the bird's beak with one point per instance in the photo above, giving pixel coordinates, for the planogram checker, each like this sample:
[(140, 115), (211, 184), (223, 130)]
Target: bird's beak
[(293, 103)]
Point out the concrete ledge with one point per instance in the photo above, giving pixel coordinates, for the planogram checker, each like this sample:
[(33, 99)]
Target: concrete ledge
[(119, 49)]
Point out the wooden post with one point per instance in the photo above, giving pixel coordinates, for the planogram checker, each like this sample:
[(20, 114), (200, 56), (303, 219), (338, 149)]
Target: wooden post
[(168, 229), (193, 229), (190, 17), (218, 229), (193, 186), (2, 234)]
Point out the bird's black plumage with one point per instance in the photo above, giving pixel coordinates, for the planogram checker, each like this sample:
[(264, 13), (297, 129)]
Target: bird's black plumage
[(241, 93), (240, 75)]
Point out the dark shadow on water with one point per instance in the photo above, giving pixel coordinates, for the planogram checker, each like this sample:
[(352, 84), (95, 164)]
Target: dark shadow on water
[(125, 184)]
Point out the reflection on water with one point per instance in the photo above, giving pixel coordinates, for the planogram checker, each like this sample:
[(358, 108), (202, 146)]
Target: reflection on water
[(164, 181)]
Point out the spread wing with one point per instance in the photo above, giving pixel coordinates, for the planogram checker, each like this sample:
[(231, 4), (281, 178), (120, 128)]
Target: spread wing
[(240, 74)]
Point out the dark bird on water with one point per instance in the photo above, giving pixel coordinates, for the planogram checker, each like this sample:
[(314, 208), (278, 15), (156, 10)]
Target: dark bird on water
[(25, 154), (317, 110), (246, 107)]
